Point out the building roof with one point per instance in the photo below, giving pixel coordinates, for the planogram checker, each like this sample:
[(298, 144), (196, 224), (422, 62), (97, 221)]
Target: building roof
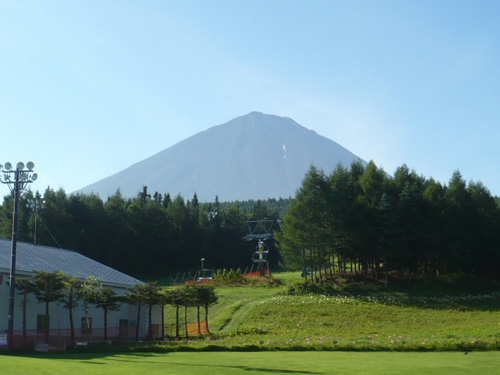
[(30, 258)]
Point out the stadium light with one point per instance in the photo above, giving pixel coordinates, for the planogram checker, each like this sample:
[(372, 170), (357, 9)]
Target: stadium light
[(17, 179)]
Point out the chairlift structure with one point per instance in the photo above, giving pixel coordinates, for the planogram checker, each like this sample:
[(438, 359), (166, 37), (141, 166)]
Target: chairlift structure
[(204, 274), (260, 230)]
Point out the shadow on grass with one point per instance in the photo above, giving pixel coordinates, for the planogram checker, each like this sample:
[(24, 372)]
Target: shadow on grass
[(218, 366), (82, 356), (104, 359)]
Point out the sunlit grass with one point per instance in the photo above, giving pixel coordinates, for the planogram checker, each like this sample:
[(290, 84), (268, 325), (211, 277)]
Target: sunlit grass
[(267, 318), (238, 363), (350, 323), (267, 330)]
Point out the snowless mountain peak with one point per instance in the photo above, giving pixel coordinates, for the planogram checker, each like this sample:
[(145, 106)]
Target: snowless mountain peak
[(256, 156)]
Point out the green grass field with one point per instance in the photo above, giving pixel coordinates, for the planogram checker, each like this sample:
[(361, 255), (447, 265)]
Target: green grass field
[(263, 329), (228, 363)]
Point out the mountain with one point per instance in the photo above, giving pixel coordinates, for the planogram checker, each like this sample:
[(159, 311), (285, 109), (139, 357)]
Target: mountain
[(256, 156)]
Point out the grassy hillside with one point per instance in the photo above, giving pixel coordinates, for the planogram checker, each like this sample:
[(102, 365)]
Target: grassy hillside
[(269, 318)]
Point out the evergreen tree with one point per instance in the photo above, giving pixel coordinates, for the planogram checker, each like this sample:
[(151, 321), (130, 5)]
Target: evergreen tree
[(25, 287), (70, 300), (48, 287), (151, 295), (88, 294), (203, 295), (107, 300)]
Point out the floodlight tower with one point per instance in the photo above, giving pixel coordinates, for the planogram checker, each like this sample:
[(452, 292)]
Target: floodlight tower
[(17, 179), (35, 204)]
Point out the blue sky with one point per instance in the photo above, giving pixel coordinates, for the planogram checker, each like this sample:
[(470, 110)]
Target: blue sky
[(88, 88)]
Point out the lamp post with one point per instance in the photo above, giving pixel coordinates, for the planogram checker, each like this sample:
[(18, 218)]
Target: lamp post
[(16, 179)]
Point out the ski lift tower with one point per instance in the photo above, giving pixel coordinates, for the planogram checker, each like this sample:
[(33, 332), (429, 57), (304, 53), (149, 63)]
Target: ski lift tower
[(260, 230)]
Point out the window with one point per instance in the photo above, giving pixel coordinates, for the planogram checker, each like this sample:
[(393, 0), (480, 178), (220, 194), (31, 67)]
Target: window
[(42, 323), (86, 325)]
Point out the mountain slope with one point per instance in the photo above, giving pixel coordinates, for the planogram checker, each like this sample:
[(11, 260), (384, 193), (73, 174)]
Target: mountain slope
[(256, 156)]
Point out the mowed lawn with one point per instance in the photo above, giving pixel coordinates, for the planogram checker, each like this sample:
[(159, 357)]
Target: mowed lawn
[(237, 363)]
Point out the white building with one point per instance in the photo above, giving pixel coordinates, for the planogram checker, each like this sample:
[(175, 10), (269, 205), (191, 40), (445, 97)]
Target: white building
[(122, 324)]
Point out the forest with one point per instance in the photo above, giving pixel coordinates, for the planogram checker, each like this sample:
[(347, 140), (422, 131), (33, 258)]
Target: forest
[(361, 220), (149, 236), (357, 219)]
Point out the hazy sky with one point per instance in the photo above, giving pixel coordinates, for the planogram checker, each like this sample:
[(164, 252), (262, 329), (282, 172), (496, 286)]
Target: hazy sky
[(88, 88)]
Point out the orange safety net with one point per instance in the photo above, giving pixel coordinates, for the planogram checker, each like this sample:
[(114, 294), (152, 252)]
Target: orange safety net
[(194, 329)]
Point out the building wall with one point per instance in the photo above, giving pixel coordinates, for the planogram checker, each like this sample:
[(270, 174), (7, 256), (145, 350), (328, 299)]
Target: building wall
[(59, 318)]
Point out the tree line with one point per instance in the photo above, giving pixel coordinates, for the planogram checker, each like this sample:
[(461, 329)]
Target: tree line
[(356, 219), (55, 286), (361, 220), (148, 236)]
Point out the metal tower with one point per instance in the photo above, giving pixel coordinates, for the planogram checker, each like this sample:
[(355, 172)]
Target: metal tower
[(260, 230)]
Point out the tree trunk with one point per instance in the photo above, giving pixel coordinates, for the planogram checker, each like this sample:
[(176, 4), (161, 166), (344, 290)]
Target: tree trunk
[(25, 303), (105, 324), (47, 322), (304, 265), (186, 321), (206, 319), (199, 323), (71, 324), (150, 323), (137, 324), (386, 276), (177, 322), (163, 322), (87, 330)]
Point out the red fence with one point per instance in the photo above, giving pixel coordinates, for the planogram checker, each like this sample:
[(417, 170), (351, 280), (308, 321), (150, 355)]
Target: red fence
[(60, 339)]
